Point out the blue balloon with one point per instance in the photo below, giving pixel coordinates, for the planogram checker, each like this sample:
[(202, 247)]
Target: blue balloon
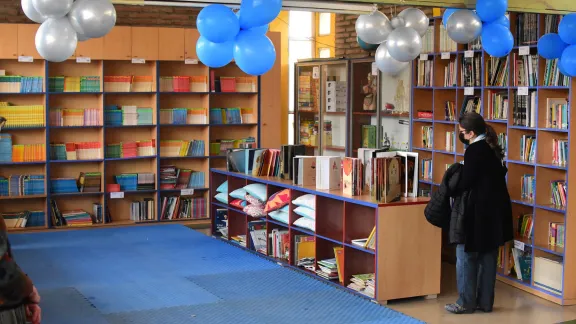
[(504, 21), (551, 46), (214, 55), (567, 29), (366, 46), (447, 13), (490, 10), (218, 23), (260, 29), (497, 40), (254, 53), (569, 61), (561, 68), (257, 13)]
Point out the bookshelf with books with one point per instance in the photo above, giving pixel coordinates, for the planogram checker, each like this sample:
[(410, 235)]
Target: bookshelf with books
[(89, 132), (527, 101), (345, 246)]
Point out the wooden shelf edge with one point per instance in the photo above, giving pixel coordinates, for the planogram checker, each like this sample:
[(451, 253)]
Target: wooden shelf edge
[(529, 289)]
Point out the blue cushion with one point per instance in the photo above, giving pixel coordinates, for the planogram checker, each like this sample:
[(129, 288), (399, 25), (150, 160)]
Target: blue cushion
[(307, 200), (306, 212), (238, 194), (257, 190), (279, 216), (285, 208), (305, 222), (223, 187), (222, 197)]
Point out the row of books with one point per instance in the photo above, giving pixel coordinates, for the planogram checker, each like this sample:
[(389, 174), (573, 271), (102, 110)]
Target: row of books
[(128, 116), (450, 74), (525, 226), (471, 75), (497, 105), (363, 283), (232, 84), (183, 116), (519, 263), (77, 217), (553, 77), (450, 141), (220, 116), (446, 43), (503, 142), (471, 104), (136, 181), (184, 83), (428, 41), (183, 208), (128, 84), (21, 84), (176, 148), (528, 185), (256, 162), (425, 73), (176, 178), (74, 84), (556, 232), (76, 151), (526, 29), (23, 185), (524, 70), (426, 170), (23, 219), (427, 137), (557, 114), (20, 152), (497, 71), (558, 193), (352, 176), (220, 147), (131, 149), (527, 148), (367, 243), (142, 210), (22, 116), (450, 111), (67, 117), (559, 151)]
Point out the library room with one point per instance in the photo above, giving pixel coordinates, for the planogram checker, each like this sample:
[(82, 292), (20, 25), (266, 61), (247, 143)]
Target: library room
[(285, 161)]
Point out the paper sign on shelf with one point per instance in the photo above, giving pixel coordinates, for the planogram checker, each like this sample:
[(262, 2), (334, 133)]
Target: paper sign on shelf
[(519, 245), (469, 91), (446, 56), (187, 192), (423, 57), (522, 91), (524, 50), (83, 60), (190, 61), (468, 54), (25, 59), (138, 61), (316, 72), (117, 195), (374, 68)]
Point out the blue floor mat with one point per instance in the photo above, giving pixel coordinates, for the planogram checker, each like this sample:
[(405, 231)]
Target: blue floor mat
[(171, 274)]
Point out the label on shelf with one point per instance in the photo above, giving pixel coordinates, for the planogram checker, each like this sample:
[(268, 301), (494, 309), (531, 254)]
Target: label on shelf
[(519, 245), (316, 72), (190, 61), (187, 192), (138, 61), (117, 195), (446, 56), (83, 60), (522, 91), (524, 50), (25, 59), (374, 68), (469, 91), (423, 57), (469, 54)]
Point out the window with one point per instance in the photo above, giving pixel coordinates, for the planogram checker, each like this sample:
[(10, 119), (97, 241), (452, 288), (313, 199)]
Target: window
[(325, 24), (323, 52)]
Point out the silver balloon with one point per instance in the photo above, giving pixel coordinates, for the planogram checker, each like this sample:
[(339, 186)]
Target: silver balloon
[(404, 44), (373, 28), (31, 12), (386, 63), (464, 26), (397, 22), (53, 8), (82, 37), (56, 40), (416, 19), (93, 18)]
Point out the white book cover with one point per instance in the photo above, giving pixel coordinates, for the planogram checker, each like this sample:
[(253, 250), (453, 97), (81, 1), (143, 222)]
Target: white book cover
[(328, 172)]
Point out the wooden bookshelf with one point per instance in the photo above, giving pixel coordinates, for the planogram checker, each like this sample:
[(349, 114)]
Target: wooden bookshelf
[(540, 163), (142, 62), (341, 219)]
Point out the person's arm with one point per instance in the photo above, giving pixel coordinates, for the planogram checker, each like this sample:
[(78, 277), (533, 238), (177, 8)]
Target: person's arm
[(15, 286), (471, 168)]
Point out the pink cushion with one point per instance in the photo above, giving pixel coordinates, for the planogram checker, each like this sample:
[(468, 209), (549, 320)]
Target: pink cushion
[(278, 200)]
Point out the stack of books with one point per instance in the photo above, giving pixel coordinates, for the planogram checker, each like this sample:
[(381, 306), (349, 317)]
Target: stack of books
[(142, 210), (225, 116), (20, 84), (176, 148), (74, 84), (22, 116), (183, 116), (28, 153), (183, 208), (22, 185), (239, 239), (327, 269), (63, 185), (136, 181), (77, 217), (90, 181), (131, 149), (363, 283), (128, 116), (66, 117), (76, 151), (5, 148)]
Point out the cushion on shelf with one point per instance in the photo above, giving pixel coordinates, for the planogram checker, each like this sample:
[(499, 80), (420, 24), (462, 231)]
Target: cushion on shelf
[(238, 203), (279, 216), (306, 223), (307, 200), (254, 211), (257, 190), (285, 209), (223, 187), (254, 201), (222, 197), (239, 193), (306, 212), (278, 200)]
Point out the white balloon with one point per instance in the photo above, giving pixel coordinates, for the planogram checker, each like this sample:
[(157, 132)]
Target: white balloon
[(404, 44), (31, 12), (397, 22), (373, 28), (56, 40), (416, 19), (386, 63), (82, 37), (93, 18), (52, 8)]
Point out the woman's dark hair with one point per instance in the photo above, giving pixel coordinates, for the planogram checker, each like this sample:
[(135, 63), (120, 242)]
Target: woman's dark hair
[(472, 121)]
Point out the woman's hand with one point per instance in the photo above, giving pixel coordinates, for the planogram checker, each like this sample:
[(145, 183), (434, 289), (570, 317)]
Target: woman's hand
[(33, 313), (34, 296)]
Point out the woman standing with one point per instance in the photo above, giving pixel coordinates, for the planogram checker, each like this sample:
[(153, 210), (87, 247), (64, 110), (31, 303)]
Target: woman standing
[(487, 216)]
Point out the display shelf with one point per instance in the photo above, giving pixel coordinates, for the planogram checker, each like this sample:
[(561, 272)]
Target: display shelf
[(540, 160)]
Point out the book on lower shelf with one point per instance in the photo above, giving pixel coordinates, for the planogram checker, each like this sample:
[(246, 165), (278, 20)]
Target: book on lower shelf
[(426, 171), (558, 193), (363, 283), (497, 106), (305, 251), (24, 219), (327, 269), (77, 217), (525, 109), (258, 240), (556, 233), (221, 223), (427, 137), (557, 114), (470, 104), (528, 186), (22, 185), (520, 264), (279, 244), (142, 210), (172, 177), (527, 148), (183, 208), (525, 226)]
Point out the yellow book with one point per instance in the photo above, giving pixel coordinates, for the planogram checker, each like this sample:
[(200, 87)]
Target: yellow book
[(339, 255)]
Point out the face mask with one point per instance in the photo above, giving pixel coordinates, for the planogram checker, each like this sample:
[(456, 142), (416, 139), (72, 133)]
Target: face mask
[(463, 139)]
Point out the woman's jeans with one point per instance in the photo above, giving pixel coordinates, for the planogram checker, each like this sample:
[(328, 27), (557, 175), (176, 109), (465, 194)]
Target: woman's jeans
[(476, 277), (14, 316)]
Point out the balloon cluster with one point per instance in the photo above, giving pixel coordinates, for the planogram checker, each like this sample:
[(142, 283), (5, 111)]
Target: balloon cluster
[(225, 35), (399, 41), (66, 22), (561, 46), (488, 21)]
